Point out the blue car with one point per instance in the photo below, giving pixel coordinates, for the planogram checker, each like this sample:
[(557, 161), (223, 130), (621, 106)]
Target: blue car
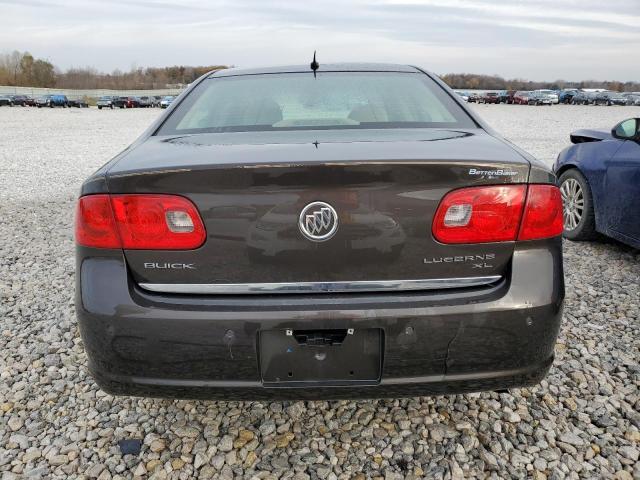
[(599, 179), (52, 101)]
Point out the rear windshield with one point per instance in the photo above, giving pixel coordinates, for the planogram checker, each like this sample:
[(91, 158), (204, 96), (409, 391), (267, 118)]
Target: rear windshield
[(333, 100)]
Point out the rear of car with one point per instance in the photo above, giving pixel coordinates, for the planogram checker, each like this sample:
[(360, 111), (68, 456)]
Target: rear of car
[(21, 100), (166, 101), (539, 98), (77, 102), (43, 101), (59, 101), (351, 233), (566, 96), (144, 102), (491, 97), (521, 98), (552, 95), (106, 102), (126, 102), (616, 99)]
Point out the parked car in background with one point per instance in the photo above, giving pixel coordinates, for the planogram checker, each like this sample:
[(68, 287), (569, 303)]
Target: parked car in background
[(6, 101), (463, 95), (78, 103), (566, 96), (43, 101), (633, 99), (540, 98), (610, 98), (106, 101), (156, 100), (166, 101), (52, 101), (552, 95), (23, 100), (506, 96), (490, 97), (417, 254), (599, 178), (145, 102), (474, 97), (521, 97), (583, 98), (127, 102)]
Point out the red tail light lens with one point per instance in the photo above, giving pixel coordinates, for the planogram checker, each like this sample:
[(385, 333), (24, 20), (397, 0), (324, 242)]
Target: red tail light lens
[(142, 222), (95, 225), (499, 214), (542, 214), (480, 214)]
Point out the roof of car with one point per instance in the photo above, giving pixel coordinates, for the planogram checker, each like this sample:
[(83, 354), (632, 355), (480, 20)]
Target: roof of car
[(327, 67)]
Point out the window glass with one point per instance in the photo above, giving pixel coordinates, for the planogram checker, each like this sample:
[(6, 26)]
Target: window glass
[(333, 100)]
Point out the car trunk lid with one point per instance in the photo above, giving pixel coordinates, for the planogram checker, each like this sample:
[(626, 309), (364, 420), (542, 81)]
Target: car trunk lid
[(251, 189)]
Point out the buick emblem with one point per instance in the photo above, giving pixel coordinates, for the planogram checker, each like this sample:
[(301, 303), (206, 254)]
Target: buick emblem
[(318, 221)]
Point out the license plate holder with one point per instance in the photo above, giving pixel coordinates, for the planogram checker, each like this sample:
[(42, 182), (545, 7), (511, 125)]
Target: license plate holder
[(329, 357)]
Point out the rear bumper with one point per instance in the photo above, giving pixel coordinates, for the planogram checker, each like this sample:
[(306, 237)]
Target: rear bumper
[(386, 388), (463, 340)]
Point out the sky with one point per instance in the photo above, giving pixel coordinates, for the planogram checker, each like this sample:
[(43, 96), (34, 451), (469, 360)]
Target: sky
[(531, 39)]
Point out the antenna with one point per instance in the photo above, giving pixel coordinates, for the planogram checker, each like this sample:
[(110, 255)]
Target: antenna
[(314, 64)]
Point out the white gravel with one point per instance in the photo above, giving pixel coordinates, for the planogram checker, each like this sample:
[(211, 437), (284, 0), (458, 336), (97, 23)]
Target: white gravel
[(583, 421)]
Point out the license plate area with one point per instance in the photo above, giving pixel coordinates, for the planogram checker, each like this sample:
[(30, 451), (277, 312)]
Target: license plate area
[(327, 356)]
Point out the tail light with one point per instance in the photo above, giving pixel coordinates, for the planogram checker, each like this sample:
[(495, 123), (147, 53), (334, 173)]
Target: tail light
[(141, 222), (498, 214), (542, 216), (95, 225)]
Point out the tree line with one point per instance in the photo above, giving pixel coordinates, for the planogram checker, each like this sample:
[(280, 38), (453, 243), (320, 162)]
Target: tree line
[(21, 69), (472, 81), (24, 70)]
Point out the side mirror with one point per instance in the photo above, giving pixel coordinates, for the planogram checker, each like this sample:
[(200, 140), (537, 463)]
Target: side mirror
[(627, 129)]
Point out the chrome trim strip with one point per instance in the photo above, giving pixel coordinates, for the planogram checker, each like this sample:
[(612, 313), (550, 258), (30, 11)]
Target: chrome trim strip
[(318, 287)]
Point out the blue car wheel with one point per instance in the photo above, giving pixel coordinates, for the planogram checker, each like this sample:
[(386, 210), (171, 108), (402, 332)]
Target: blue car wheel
[(578, 212)]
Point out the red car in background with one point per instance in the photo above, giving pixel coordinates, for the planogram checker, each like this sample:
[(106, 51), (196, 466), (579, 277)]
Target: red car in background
[(127, 102), (521, 98), (490, 97)]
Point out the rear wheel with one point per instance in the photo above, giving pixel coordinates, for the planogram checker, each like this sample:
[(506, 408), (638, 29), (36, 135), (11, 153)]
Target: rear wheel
[(577, 202)]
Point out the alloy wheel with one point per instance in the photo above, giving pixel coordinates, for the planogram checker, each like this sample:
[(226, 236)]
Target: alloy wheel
[(573, 203)]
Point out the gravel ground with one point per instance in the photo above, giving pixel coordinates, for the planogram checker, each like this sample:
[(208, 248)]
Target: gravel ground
[(583, 421)]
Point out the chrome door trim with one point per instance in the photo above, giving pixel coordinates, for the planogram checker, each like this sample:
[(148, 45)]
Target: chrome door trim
[(319, 287)]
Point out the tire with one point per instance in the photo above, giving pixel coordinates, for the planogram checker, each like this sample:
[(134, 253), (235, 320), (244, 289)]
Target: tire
[(99, 107), (582, 224)]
